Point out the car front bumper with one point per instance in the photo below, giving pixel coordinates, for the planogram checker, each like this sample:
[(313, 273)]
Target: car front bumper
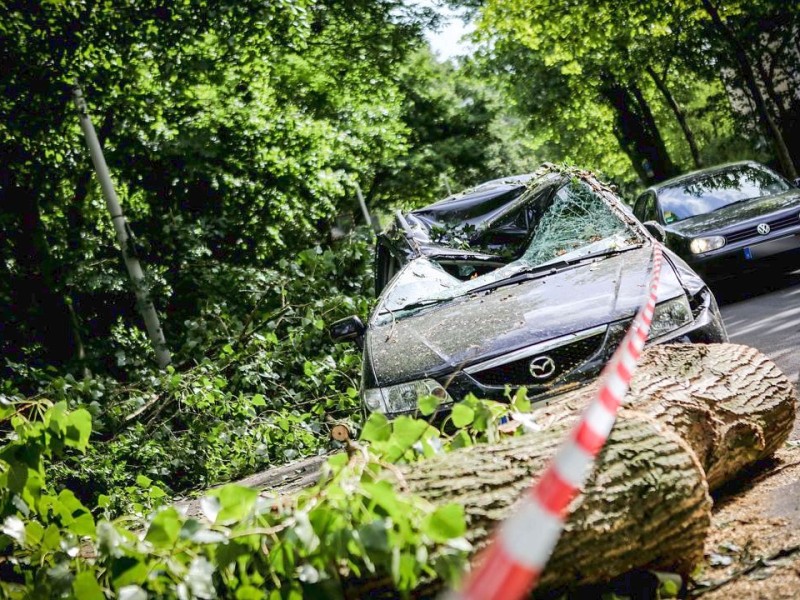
[(705, 327), (780, 250)]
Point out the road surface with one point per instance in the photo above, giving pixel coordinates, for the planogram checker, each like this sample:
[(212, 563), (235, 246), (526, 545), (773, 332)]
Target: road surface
[(761, 519), (765, 314)]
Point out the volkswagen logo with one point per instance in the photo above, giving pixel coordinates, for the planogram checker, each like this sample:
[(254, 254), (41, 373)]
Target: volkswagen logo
[(763, 228), (542, 367)]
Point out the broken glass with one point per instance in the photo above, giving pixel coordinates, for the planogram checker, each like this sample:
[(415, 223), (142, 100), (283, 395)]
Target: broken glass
[(564, 227)]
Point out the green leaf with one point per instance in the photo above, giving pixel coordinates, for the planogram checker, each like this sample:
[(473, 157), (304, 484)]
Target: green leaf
[(376, 429), (428, 404), (128, 571), (34, 532), (405, 433), (143, 481), (669, 589), (85, 586), (258, 400), (14, 528), (446, 522), (248, 592), (462, 415), (384, 496), (132, 592), (200, 578), (374, 535), (74, 515), (51, 539), (78, 429), (521, 402), (235, 502), (164, 528)]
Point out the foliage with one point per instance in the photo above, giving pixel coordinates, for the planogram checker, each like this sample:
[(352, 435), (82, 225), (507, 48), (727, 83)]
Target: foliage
[(605, 83), (259, 385), (350, 524), (232, 131)]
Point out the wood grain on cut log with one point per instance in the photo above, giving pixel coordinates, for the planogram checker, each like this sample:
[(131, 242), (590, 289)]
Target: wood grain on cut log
[(730, 403)]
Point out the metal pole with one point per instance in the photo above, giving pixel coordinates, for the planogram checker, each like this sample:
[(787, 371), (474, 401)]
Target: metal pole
[(447, 184), (122, 229), (367, 217)]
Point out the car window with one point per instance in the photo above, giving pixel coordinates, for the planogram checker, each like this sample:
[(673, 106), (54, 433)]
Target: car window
[(638, 209), (646, 208), (650, 209), (706, 193)]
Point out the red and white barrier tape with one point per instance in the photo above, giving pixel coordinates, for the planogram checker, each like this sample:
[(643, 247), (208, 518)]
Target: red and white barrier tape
[(510, 566)]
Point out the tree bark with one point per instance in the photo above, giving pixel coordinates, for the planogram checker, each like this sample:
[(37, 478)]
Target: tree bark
[(747, 74), (637, 131), (679, 116), (646, 504), (730, 403)]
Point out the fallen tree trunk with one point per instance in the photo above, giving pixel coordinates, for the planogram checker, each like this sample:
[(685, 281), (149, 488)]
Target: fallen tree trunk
[(697, 415), (647, 502), (729, 402)]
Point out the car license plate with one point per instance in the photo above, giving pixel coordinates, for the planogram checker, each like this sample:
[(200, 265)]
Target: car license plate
[(772, 247)]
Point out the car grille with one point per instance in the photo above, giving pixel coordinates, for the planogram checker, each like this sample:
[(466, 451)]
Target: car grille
[(774, 225), (566, 358)]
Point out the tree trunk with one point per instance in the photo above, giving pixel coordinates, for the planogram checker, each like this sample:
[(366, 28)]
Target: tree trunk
[(637, 131), (730, 403), (647, 503), (697, 415), (679, 116), (747, 74), (38, 304)]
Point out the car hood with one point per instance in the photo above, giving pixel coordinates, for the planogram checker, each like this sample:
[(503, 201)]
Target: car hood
[(480, 326), (736, 214)]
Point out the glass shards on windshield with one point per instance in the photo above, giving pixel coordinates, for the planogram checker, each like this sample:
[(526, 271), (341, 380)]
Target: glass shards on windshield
[(576, 218)]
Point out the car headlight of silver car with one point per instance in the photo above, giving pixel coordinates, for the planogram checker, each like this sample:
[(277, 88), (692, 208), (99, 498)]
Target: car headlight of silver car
[(700, 245), (670, 315), (403, 397)]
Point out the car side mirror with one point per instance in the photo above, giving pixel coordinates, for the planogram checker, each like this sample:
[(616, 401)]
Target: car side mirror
[(797, 182), (349, 329), (656, 230)]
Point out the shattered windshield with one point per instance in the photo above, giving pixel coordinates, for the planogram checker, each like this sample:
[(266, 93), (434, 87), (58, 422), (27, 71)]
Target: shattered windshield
[(562, 227)]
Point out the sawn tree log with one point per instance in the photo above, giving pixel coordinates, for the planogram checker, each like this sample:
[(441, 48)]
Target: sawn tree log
[(695, 416)]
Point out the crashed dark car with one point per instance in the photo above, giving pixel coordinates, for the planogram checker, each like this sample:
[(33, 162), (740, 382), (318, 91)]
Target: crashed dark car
[(727, 219), (528, 281)]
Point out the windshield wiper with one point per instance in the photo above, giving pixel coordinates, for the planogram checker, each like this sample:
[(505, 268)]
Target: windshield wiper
[(528, 274), (550, 268), (731, 204), (601, 254), (415, 305)]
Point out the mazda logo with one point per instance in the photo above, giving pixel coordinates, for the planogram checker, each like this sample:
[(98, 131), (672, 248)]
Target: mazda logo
[(542, 367), (763, 228)]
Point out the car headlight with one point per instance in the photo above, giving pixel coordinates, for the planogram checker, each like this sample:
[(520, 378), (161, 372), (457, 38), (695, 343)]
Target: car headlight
[(706, 244), (403, 397), (670, 315)]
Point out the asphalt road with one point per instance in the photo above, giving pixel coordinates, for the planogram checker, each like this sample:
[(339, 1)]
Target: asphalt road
[(763, 311)]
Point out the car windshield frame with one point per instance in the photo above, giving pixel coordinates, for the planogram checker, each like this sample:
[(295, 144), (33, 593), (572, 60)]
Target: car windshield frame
[(693, 197), (423, 282)]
